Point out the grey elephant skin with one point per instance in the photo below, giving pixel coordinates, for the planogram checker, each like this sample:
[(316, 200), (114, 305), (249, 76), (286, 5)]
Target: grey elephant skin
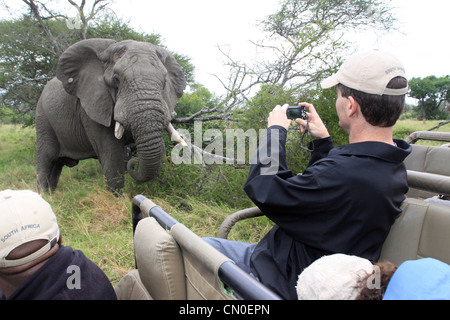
[(106, 95)]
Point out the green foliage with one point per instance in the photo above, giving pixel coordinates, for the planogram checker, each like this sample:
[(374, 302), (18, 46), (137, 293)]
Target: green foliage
[(10, 116), (433, 94), (198, 98), (257, 109), (17, 165), (27, 62)]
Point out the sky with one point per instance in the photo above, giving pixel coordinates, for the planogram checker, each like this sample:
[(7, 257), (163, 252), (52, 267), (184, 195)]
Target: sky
[(196, 27)]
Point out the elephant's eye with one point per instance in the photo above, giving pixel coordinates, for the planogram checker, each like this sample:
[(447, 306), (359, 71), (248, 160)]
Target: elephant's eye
[(116, 79)]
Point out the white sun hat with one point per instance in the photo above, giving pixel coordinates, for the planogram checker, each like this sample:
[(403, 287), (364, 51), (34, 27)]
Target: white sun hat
[(333, 277)]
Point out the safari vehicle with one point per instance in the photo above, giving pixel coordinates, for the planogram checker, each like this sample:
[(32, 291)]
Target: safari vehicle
[(174, 263)]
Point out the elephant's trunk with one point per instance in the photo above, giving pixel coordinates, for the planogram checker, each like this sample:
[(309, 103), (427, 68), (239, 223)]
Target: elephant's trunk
[(148, 162), (147, 126), (148, 157)]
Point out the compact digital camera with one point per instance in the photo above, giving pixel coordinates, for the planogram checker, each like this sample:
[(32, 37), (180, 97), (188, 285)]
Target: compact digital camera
[(294, 112)]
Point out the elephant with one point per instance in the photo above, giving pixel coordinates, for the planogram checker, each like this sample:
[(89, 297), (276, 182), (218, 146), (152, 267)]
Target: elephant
[(105, 96)]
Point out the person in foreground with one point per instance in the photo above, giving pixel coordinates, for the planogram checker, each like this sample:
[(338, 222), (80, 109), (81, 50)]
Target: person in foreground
[(348, 197), (33, 263), (345, 277)]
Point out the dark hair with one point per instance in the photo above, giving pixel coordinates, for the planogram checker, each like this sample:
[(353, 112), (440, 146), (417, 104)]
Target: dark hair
[(379, 110), (386, 271)]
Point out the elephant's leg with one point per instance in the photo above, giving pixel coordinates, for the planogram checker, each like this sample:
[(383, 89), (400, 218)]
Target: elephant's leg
[(47, 150), (54, 175), (113, 169), (56, 170), (48, 173), (111, 153)]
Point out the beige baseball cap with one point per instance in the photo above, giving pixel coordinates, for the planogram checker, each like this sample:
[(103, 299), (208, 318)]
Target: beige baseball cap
[(369, 72), (25, 216), (333, 277)]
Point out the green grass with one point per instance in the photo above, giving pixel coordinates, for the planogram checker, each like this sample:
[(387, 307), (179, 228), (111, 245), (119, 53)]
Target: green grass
[(99, 224), (404, 128)]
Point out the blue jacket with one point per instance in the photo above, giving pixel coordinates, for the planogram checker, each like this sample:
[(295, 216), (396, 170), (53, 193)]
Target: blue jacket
[(67, 275), (423, 279), (344, 202)]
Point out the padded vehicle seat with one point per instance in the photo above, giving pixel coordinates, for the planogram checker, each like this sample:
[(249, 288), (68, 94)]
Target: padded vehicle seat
[(428, 170), (422, 230), (159, 261), (169, 272)]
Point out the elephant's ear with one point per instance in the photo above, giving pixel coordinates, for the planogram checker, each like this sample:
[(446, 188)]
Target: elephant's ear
[(175, 76), (81, 72)]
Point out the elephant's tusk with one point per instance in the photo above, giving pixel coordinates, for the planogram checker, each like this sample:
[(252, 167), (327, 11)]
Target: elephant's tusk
[(118, 130), (175, 136)]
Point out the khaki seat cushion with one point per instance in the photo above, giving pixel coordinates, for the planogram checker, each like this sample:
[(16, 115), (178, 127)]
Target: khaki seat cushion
[(202, 263), (427, 159), (159, 261), (422, 230), (130, 287)]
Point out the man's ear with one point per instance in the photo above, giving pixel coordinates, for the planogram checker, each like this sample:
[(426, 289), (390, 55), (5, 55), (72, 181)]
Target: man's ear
[(354, 108)]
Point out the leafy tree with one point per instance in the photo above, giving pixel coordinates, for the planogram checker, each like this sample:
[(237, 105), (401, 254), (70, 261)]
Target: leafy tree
[(431, 92), (27, 61), (257, 109), (192, 102)]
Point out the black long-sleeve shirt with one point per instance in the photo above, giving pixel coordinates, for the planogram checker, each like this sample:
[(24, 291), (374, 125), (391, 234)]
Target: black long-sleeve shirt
[(344, 202)]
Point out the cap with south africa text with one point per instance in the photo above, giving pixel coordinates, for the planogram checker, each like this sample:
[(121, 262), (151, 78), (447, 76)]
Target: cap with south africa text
[(25, 216)]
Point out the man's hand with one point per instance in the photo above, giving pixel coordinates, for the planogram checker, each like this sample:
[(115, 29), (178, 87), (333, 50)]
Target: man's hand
[(278, 117), (316, 126)]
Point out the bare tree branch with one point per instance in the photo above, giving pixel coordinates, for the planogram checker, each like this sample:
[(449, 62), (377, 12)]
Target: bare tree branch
[(35, 10), (96, 8), (439, 125)]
